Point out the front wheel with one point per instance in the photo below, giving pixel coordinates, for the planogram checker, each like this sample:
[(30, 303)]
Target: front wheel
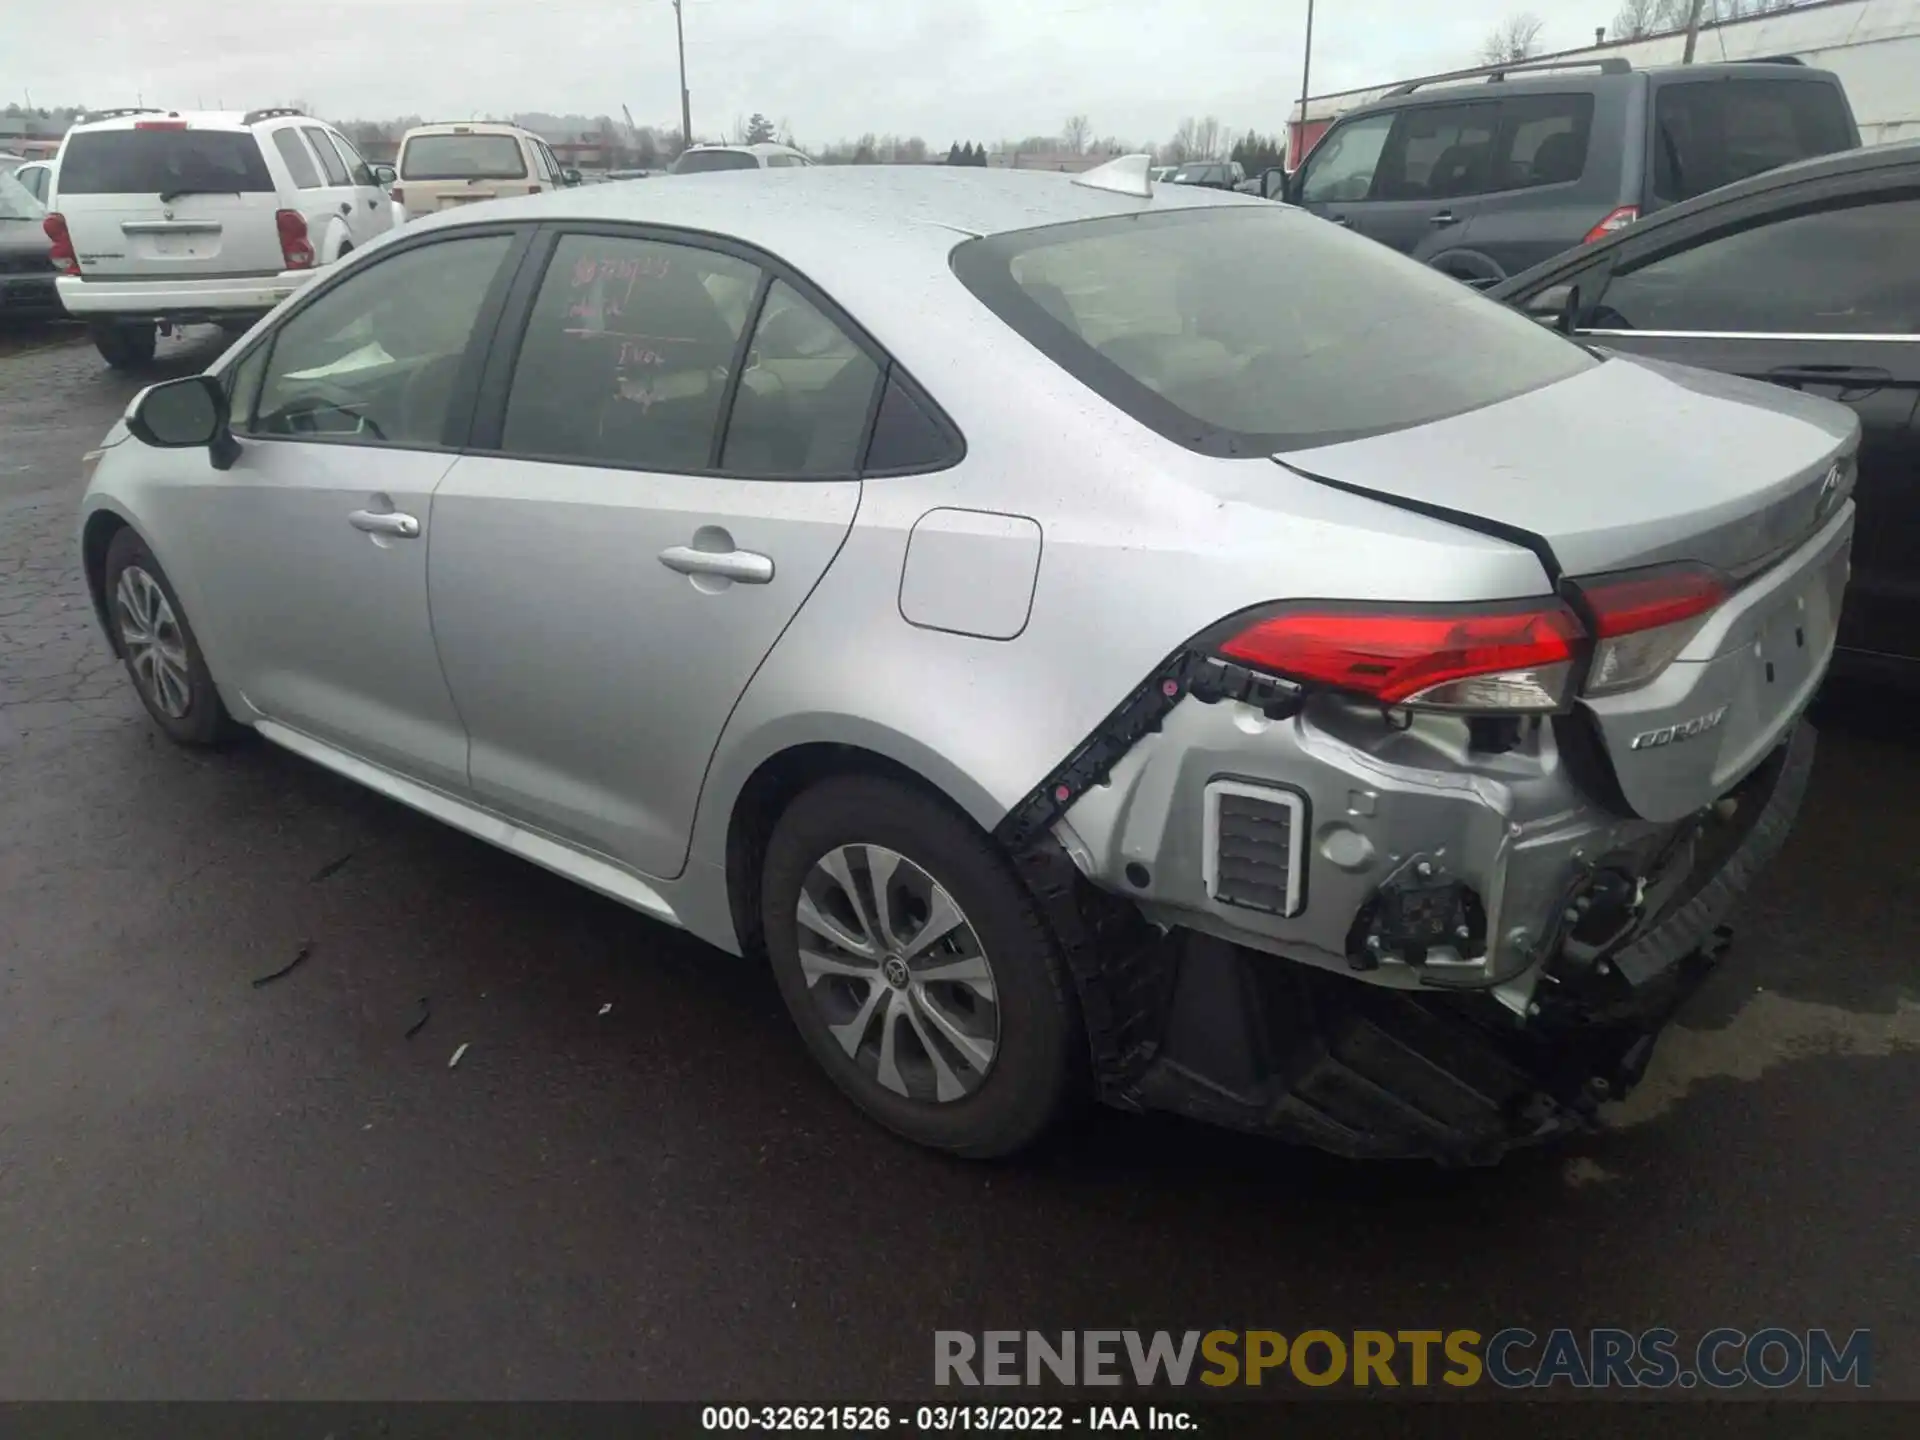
[(123, 346), (158, 647), (918, 968)]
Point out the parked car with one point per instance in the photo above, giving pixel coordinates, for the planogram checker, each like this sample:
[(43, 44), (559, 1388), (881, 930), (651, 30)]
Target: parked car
[(1162, 174), (36, 178), (462, 162), (167, 217), (1214, 174), (1329, 704), (1808, 277), (1484, 175), (700, 159), (26, 258)]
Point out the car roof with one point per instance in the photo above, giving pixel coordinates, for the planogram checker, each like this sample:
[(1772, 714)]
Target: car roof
[(477, 127), (1894, 156), (195, 119), (855, 202), (1567, 79)]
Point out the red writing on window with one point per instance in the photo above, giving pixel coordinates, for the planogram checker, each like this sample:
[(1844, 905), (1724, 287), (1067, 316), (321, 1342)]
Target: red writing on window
[(588, 269)]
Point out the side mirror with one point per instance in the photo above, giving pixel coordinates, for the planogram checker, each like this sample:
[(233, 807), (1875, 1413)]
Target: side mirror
[(384, 175), (1273, 183), (1554, 307), (185, 414), (570, 175)]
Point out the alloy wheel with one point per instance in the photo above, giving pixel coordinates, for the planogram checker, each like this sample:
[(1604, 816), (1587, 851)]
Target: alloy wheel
[(898, 973), (151, 639)]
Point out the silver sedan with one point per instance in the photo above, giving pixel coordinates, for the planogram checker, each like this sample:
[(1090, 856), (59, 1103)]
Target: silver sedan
[(1089, 638)]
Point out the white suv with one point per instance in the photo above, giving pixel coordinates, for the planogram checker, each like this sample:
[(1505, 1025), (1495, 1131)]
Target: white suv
[(459, 162), (165, 217), (699, 159)]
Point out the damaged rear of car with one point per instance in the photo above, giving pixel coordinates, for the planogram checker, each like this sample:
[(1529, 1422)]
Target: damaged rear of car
[(1498, 842)]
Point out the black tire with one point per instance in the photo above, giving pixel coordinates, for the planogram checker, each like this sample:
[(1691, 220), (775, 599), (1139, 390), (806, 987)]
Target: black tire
[(1038, 1068), (125, 347), (204, 719)]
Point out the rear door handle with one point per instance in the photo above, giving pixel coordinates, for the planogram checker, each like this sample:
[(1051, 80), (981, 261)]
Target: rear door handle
[(391, 523), (1851, 376), (1445, 217), (742, 565)]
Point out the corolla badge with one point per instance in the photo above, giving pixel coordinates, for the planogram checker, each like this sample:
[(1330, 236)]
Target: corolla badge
[(1674, 734)]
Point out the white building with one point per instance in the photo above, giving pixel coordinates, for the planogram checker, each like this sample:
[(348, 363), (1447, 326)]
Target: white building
[(1872, 45)]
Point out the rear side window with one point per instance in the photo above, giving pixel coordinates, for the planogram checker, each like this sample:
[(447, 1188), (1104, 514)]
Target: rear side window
[(462, 157), (1542, 141), (299, 163), (907, 437), (804, 396), (1709, 133), (1438, 152), (1246, 331), (154, 162), (329, 157), (696, 162)]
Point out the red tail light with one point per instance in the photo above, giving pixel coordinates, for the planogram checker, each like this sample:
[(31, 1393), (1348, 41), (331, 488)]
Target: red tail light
[(1616, 220), (295, 248), (1645, 618), (1495, 658), (159, 124), (62, 254)]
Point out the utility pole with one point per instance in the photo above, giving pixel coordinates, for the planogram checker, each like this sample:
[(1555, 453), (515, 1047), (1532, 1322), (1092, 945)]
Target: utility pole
[(1693, 29), (1306, 80), (686, 103)]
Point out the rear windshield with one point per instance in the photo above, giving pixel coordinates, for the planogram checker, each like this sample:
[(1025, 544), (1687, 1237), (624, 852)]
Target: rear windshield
[(162, 162), (694, 162), (462, 157), (1709, 133), (1249, 330)]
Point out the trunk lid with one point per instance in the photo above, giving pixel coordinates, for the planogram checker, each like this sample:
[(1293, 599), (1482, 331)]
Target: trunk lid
[(178, 201), (1630, 463), (1635, 464)]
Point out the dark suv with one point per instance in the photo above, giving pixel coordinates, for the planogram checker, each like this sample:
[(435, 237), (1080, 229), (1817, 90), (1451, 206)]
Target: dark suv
[(1485, 173)]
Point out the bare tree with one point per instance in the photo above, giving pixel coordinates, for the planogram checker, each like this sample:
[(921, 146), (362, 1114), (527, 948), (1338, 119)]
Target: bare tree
[(1075, 133), (1515, 38), (1637, 19)]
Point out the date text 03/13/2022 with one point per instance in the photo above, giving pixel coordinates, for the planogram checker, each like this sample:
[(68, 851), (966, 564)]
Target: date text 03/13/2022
[(943, 1419)]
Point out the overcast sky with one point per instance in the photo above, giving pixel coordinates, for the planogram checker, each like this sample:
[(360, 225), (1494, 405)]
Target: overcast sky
[(942, 69)]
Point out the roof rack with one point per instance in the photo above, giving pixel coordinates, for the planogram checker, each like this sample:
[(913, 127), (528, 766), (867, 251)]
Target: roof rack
[(92, 115), (1606, 65), (1771, 60), (271, 112)]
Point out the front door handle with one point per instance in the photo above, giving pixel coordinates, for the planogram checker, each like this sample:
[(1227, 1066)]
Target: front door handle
[(390, 523), (1445, 217), (742, 565)]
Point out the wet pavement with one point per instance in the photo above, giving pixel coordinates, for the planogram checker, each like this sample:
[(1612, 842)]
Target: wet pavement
[(212, 1188)]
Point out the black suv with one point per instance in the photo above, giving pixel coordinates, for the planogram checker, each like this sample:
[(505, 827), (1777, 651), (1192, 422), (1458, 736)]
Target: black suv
[(1488, 172)]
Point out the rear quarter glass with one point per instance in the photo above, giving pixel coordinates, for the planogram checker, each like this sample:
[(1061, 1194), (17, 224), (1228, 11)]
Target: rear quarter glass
[(1251, 330), (148, 162)]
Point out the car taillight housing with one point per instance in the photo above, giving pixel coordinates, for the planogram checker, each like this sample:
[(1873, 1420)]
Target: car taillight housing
[(1642, 619), (1471, 659), (62, 252), (1618, 219), (295, 248)]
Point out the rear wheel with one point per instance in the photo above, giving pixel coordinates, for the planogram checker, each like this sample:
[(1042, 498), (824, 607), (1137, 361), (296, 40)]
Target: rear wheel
[(124, 346), (918, 968), (158, 647)]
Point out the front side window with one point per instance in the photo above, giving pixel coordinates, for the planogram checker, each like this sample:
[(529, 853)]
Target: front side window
[(1437, 152), (1709, 133), (1247, 331), (299, 161), (1341, 167), (462, 157), (627, 352), (1543, 140), (804, 395), (358, 171), (1846, 271), (375, 358), (329, 157), (165, 162)]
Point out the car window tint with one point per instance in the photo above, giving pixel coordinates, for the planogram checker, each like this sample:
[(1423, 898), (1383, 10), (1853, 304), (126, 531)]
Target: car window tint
[(804, 396), (626, 354), (1542, 140), (1844, 271), (329, 157), (375, 358), (147, 162), (357, 168), (1249, 330), (1341, 167), (1712, 133), (906, 437), (299, 162), (1437, 152), (460, 156)]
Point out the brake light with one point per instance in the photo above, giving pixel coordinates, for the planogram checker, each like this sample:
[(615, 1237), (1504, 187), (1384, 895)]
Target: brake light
[(1616, 220), (159, 124), (295, 248), (62, 253), (1477, 659), (1643, 619)]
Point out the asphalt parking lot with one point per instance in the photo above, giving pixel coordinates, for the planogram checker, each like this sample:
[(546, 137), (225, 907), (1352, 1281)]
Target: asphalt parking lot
[(211, 1188)]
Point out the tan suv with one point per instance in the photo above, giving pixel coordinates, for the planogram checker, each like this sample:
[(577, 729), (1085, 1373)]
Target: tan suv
[(462, 161)]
